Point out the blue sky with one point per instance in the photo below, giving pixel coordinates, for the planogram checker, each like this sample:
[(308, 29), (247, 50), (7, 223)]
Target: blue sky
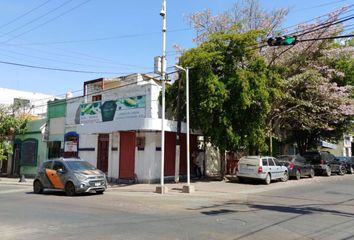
[(124, 36)]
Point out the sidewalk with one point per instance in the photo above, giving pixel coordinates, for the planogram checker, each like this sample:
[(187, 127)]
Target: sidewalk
[(204, 188), (201, 187)]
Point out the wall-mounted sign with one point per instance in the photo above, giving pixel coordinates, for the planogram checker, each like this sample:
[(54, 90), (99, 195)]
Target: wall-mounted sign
[(70, 146), (131, 107)]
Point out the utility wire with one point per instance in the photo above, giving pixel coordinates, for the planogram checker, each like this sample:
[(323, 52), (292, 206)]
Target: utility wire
[(326, 25), (56, 69), (318, 6), (24, 14), (136, 35), (37, 18), (326, 38), (48, 21)]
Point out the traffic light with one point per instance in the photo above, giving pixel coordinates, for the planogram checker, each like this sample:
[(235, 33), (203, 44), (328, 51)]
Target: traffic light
[(282, 41)]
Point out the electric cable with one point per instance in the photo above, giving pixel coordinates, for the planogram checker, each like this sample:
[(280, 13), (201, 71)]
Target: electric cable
[(24, 14), (37, 18), (48, 21)]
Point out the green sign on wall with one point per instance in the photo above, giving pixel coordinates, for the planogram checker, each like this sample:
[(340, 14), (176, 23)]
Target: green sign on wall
[(130, 107)]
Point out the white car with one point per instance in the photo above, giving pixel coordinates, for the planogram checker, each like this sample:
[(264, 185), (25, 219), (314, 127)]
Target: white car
[(261, 168)]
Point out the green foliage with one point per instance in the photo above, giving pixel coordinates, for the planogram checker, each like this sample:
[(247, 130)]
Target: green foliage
[(10, 123), (230, 90)]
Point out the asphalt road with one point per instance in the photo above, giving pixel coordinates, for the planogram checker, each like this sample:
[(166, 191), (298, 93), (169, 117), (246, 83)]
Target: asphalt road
[(320, 208)]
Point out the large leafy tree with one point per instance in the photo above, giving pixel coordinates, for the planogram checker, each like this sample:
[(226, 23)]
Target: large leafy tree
[(317, 84), (230, 90), (313, 108)]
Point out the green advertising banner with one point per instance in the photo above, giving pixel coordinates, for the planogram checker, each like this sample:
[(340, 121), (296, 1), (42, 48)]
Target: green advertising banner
[(130, 107)]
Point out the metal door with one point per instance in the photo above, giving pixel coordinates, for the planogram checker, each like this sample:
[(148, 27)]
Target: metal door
[(102, 152), (127, 155)]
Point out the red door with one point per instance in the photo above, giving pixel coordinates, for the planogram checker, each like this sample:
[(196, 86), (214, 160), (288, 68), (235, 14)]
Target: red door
[(170, 152), (102, 153), (127, 155)]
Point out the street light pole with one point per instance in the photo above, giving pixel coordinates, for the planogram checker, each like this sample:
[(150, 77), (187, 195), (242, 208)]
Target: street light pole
[(162, 188), (189, 188)]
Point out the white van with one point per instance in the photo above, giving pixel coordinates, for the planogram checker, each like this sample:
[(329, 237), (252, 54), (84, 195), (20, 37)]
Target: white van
[(262, 168)]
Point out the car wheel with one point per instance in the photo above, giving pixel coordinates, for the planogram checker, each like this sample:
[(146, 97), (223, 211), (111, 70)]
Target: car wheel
[(342, 170), (312, 173), (100, 192), (37, 187), (70, 189), (267, 180), (328, 171), (285, 177), (297, 175)]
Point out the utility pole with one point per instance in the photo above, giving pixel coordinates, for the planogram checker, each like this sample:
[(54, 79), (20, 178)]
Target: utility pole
[(178, 135), (162, 188)]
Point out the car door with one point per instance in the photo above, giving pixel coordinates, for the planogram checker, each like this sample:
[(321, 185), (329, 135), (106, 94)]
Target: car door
[(42, 174), (265, 165), (279, 168), (273, 168), (301, 166), (55, 175)]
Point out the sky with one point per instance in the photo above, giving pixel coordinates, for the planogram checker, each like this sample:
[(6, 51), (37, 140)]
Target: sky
[(109, 37)]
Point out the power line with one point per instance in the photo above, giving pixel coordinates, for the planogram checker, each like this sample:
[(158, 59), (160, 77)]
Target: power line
[(326, 38), (48, 21), (51, 59), (320, 5), (326, 25), (100, 39), (37, 18), (24, 14), (56, 69)]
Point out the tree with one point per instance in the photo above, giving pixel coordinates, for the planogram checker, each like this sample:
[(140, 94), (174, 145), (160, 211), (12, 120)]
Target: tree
[(230, 88), (248, 14), (313, 108), (10, 123)]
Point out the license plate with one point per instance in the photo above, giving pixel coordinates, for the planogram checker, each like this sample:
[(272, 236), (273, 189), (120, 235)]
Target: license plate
[(247, 169), (97, 184)]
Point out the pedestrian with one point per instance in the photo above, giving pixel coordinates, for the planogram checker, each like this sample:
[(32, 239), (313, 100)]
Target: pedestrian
[(198, 159)]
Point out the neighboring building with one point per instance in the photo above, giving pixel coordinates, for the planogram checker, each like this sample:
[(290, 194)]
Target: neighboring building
[(29, 150), (31, 102), (116, 127)]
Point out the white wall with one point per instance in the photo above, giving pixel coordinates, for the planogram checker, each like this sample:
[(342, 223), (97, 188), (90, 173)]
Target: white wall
[(147, 162), (88, 141), (113, 160), (37, 100), (57, 125)]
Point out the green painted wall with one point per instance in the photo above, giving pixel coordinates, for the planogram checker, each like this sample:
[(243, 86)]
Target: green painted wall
[(56, 108), (33, 131)]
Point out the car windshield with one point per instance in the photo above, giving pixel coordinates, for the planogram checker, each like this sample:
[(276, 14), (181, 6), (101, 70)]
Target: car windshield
[(79, 165), (312, 156)]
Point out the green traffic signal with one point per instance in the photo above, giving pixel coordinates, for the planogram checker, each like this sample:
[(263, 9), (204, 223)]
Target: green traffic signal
[(289, 40), (282, 41)]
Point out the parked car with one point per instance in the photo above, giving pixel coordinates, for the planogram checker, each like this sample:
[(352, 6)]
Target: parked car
[(297, 165), (261, 168), (324, 163), (349, 163), (71, 175)]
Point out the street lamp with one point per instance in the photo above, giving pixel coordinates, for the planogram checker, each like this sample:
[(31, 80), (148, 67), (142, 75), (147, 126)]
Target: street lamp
[(188, 188)]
